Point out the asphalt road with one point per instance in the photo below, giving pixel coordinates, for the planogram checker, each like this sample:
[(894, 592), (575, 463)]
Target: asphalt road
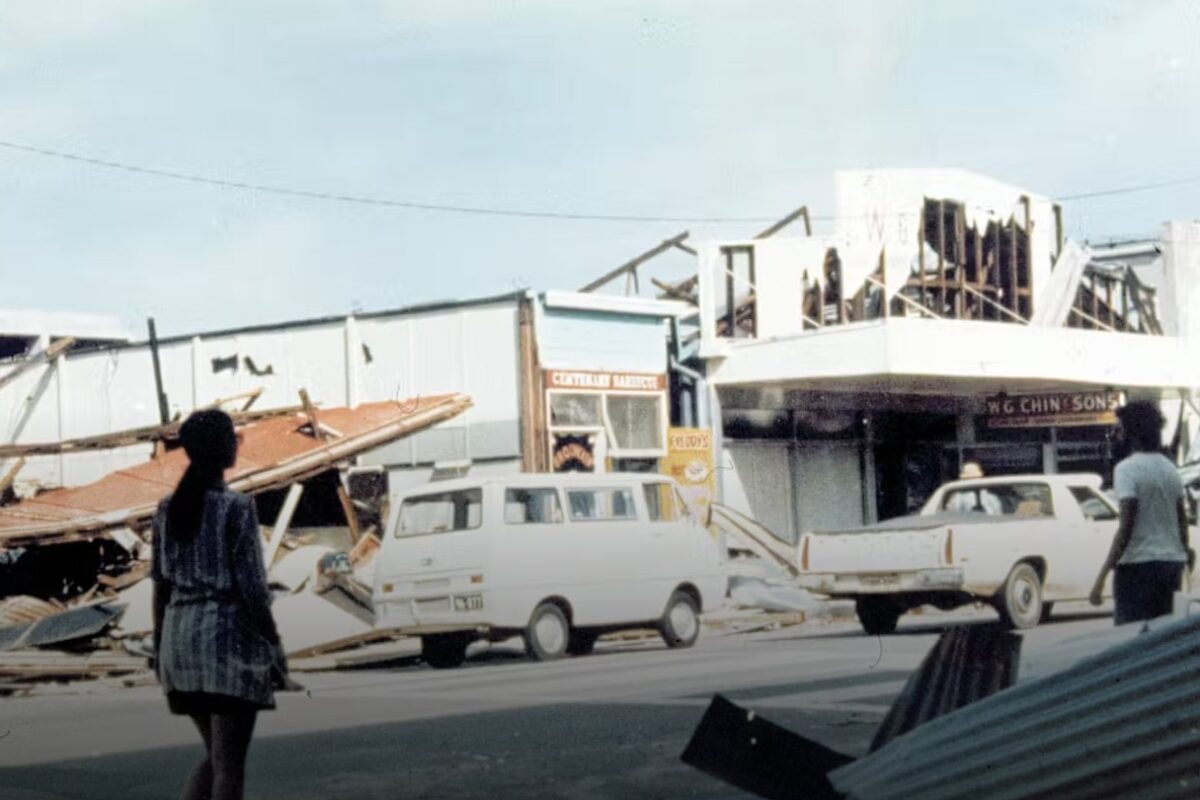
[(610, 725)]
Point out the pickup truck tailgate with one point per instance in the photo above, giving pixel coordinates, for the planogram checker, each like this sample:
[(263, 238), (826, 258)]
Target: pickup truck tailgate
[(874, 551)]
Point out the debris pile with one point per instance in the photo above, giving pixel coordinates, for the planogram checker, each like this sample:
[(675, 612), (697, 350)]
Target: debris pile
[(75, 601)]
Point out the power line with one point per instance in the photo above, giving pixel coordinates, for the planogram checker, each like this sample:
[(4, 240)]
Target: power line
[(362, 199), (488, 210), (1144, 187)]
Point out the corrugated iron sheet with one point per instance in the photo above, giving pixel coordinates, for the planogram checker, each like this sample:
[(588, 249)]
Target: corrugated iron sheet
[(274, 451), (1124, 723), (82, 622), (967, 664), (23, 608)]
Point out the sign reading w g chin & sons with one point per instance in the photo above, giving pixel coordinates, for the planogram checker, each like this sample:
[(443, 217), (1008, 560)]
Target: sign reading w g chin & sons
[(1062, 409)]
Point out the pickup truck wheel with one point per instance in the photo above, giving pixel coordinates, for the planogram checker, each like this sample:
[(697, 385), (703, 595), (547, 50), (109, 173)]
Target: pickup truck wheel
[(1020, 602), (878, 615), (680, 624), (444, 650), (548, 633)]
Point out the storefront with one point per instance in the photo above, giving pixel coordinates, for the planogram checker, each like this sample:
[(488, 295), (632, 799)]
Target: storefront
[(603, 366), (606, 421)]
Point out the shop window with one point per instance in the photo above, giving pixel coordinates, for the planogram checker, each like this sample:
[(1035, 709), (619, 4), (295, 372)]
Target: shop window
[(532, 507), (587, 505), (440, 513), (636, 422), (575, 410)]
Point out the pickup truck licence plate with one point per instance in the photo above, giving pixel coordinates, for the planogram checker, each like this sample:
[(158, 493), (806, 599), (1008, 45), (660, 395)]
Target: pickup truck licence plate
[(880, 580)]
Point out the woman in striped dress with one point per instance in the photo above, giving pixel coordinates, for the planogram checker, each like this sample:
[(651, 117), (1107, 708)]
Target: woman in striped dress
[(218, 651)]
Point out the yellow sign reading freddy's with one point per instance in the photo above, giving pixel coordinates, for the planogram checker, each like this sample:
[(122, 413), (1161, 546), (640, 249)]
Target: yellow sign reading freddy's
[(690, 462), (1062, 409)]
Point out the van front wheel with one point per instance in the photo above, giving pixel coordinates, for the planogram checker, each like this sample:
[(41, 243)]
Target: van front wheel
[(680, 623), (548, 633)]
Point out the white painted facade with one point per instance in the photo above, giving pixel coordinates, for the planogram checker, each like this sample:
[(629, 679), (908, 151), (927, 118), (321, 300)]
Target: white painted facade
[(817, 400), (463, 347)]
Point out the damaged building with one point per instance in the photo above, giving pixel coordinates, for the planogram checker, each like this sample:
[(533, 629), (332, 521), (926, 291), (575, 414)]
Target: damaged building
[(945, 319)]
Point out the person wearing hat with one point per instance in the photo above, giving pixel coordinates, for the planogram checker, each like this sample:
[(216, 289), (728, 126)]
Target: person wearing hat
[(978, 501)]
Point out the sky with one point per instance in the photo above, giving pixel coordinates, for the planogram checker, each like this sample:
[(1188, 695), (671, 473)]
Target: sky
[(735, 111)]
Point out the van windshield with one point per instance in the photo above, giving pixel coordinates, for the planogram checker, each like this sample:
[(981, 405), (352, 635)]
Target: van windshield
[(440, 513)]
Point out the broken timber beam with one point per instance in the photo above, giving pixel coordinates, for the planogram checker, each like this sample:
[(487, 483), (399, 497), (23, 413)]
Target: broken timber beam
[(41, 357), (673, 291), (634, 263), (11, 475), (322, 435), (801, 212)]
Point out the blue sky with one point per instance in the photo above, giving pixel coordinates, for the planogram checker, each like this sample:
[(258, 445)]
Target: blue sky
[(681, 109)]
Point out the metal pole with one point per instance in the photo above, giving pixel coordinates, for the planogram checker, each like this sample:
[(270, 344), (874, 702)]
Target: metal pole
[(164, 413)]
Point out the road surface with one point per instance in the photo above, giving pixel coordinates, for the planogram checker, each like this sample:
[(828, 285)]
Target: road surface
[(608, 725)]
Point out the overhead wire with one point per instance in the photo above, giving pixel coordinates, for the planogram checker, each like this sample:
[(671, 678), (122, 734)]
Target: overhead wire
[(496, 211)]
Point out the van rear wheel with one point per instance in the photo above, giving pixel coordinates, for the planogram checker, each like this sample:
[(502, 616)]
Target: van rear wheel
[(548, 633), (680, 624), (444, 650)]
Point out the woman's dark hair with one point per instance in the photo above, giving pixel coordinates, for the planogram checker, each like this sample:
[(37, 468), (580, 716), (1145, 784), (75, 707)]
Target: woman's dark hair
[(210, 442), (1142, 423)]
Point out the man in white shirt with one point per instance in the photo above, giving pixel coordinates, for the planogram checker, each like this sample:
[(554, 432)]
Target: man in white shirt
[(1150, 548)]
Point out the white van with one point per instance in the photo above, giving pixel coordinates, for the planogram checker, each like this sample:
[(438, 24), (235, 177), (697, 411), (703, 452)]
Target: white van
[(556, 558)]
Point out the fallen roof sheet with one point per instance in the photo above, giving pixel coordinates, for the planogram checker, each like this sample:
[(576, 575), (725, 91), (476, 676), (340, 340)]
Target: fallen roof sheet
[(274, 452), (966, 665), (66, 626), (23, 608), (1125, 722)]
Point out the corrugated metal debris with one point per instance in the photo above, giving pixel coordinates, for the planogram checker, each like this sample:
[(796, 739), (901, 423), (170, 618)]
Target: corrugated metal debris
[(274, 452), (82, 622), (967, 664), (1124, 723)]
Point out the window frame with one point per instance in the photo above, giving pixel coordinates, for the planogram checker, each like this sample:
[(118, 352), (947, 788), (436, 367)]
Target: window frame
[(632, 505), (558, 504), (397, 531)]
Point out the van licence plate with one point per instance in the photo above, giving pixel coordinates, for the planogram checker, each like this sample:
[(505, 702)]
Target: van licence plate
[(468, 602), (879, 580)]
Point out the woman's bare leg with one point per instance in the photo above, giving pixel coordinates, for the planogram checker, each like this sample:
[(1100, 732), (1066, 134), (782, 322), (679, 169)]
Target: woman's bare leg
[(231, 735), (198, 785)]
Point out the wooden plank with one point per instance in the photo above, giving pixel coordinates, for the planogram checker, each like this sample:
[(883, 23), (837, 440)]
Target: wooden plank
[(49, 354), (11, 475), (800, 212), (672, 291), (941, 247), (322, 434), (282, 522), (633, 263)]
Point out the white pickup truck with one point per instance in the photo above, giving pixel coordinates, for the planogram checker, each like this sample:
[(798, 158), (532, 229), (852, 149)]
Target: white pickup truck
[(1019, 542)]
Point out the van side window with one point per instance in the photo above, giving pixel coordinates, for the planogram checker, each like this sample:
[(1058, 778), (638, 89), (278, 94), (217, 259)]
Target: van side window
[(600, 504), (440, 513), (660, 502), (532, 507)]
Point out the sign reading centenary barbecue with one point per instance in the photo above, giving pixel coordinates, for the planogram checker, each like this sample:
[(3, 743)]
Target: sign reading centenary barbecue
[(1063, 409), (605, 381)]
